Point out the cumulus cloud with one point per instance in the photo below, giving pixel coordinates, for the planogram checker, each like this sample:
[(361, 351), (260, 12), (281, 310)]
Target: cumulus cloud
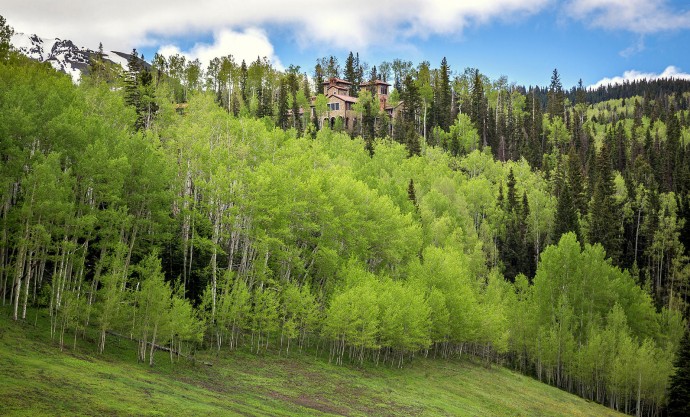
[(355, 24), (638, 16), (633, 75), (247, 45)]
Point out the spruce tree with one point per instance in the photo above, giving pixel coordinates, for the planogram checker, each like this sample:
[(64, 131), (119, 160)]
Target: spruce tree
[(674, 151), (412, 194), (411, 100), (527, 256), (350, 73), (679, 391), (605, 213), (97, 64), (283, 104), (478, 107), (511, 246), (444, 96), (566, 216), (576, 182), (243, 81), (414, 147), (556, 97), (132, 79)]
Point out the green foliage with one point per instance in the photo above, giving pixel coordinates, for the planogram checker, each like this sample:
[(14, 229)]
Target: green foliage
[(6, 33), (204, 224), (679, 391)]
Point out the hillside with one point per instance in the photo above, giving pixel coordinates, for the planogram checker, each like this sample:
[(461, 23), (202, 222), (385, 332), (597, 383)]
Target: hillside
[(37, 379), (159, 204)]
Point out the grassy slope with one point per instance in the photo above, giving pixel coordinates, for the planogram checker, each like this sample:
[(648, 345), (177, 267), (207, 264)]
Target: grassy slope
[(37, 379)]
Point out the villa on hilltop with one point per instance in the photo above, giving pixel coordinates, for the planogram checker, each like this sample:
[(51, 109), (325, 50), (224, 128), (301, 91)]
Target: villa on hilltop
[(340, 102)]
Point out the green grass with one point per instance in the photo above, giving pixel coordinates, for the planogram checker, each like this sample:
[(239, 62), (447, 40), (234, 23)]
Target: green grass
[(36, 378)]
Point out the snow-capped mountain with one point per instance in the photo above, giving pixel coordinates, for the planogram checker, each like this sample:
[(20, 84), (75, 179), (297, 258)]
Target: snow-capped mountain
[(63, 55)]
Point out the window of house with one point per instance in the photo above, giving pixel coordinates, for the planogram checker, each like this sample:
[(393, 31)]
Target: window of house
[(334, 106), (384, 89)]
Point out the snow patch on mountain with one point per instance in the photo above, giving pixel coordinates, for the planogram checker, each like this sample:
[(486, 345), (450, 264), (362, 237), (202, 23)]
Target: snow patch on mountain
[(63, 55)]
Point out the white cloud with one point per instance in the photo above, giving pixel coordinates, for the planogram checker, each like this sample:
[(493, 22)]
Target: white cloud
[(242, 45), (633, 75), (631, 50), (354, 24), (638, 16)]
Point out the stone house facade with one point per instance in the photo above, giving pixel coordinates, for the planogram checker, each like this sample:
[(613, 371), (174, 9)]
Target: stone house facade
[(340, 102)]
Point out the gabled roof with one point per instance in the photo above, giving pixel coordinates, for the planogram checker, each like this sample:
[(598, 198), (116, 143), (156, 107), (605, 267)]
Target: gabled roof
[(349, 99)]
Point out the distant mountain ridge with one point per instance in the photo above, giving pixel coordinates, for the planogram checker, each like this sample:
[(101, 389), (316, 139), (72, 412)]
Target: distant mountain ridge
[(63, 55)]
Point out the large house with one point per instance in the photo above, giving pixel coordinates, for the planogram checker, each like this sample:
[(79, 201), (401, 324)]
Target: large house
[(340, 102)]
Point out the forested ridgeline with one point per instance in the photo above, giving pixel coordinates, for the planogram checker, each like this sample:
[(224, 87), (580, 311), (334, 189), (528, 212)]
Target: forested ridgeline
[(551, 240)]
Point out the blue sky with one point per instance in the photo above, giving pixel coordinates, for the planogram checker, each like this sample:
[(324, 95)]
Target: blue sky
[(524, 40)]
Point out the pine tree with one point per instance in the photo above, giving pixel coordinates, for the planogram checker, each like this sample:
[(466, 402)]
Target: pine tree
[(674, 151), (283, 104), (443, 97), (566, 216), (605, 213), (243, 82), (556, 97), (410, 98), (373, 76), (527, 255), (478, 107), (576, 182), (147, 106), (97, 64), (414, 147), (332, 67), (132, 79), (411, 194), (679, 391), (512, 246), (351, 73)]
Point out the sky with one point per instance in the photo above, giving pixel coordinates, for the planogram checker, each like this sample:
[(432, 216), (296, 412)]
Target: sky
[(598, 41)]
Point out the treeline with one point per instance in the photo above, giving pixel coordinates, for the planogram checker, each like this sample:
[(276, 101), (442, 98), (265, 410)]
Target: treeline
[(187, 226)]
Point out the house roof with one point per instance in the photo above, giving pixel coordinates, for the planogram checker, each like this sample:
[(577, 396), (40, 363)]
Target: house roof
[(394, 107), (377, 82), (349, 99), (337, 81)]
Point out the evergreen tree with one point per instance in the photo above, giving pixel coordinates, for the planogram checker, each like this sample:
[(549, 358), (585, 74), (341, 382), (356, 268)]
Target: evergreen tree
[(147, 106), (410, 98), (97, 64), (411, 194), (512, 245), (132, 79), (576, 182), (414, 147), (350, 73), (283, 104), (555, 104), (244, 76), (674, 152), (443, 97), (566, 215), (605, 212), (478, 107), (318, 79), (332, 67), (679, 390)]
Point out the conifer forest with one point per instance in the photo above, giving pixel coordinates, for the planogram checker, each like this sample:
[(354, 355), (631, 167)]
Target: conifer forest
[(191, 208)]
